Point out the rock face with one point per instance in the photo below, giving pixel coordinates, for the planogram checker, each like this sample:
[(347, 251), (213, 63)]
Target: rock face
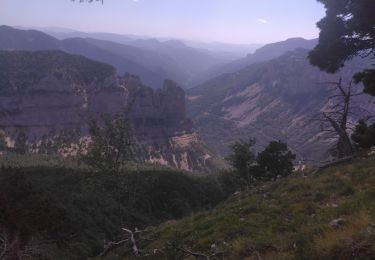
[(275, 100), (44, 93)]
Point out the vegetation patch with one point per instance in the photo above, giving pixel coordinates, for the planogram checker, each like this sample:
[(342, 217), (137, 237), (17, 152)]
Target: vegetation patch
[(330, 215)]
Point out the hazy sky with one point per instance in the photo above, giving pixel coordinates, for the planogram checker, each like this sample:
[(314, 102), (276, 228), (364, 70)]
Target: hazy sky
[(236, 21)]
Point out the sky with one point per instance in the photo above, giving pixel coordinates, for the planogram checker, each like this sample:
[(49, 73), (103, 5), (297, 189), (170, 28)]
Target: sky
[(230, 21)]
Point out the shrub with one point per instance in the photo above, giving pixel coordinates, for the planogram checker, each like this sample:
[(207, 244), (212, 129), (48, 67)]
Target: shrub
[(275, 161)]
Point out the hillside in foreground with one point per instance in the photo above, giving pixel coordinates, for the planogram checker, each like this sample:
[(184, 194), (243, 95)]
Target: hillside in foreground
[(330, 215), (61, 209)]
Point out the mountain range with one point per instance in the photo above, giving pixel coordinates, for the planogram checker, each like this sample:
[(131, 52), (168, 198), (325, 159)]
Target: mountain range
[(264, 53), (271, 94), (229, 50), (187, 62), (152, 60), (272, 100)]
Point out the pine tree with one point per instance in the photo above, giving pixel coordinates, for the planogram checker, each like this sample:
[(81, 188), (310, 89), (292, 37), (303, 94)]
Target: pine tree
[(347, 31)]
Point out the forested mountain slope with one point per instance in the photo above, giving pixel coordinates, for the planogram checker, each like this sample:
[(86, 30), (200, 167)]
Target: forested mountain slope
[(274, 100), (153, 60)]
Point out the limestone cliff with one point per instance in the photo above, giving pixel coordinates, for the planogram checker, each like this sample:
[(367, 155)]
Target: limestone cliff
[(45, 93)]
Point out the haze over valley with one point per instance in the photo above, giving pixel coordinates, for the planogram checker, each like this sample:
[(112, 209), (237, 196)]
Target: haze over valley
[(217, 129), (233, 93)]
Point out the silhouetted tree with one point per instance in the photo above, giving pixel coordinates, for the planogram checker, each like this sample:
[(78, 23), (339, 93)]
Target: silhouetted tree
[(46, 145), (364, 135), (347, 30), (3, 144), (243, 159), (111, 144), (275, 161), (20, 145), (335, 118)]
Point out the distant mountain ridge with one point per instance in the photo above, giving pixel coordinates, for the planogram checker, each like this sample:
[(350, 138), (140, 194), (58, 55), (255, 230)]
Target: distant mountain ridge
[(193, 61), (265, 53), (14, 39), (230, 50), (153, 61)]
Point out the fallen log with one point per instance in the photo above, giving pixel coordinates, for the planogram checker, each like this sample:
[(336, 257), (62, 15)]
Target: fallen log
[(333, 163)]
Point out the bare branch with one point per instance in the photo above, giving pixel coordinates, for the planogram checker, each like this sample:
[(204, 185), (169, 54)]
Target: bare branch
[(112, 245), (133, 241), (337, 115)]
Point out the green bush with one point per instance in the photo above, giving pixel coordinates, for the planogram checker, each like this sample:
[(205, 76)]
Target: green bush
[(274, 161)]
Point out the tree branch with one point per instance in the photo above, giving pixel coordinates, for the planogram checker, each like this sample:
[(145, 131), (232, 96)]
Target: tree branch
[(111, 246), (133, 241)]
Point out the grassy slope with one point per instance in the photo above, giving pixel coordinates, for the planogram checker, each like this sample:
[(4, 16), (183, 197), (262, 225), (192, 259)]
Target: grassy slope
[(287, 219)]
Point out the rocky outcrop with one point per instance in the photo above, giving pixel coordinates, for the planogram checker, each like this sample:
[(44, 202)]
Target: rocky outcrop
[(68, 90)]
